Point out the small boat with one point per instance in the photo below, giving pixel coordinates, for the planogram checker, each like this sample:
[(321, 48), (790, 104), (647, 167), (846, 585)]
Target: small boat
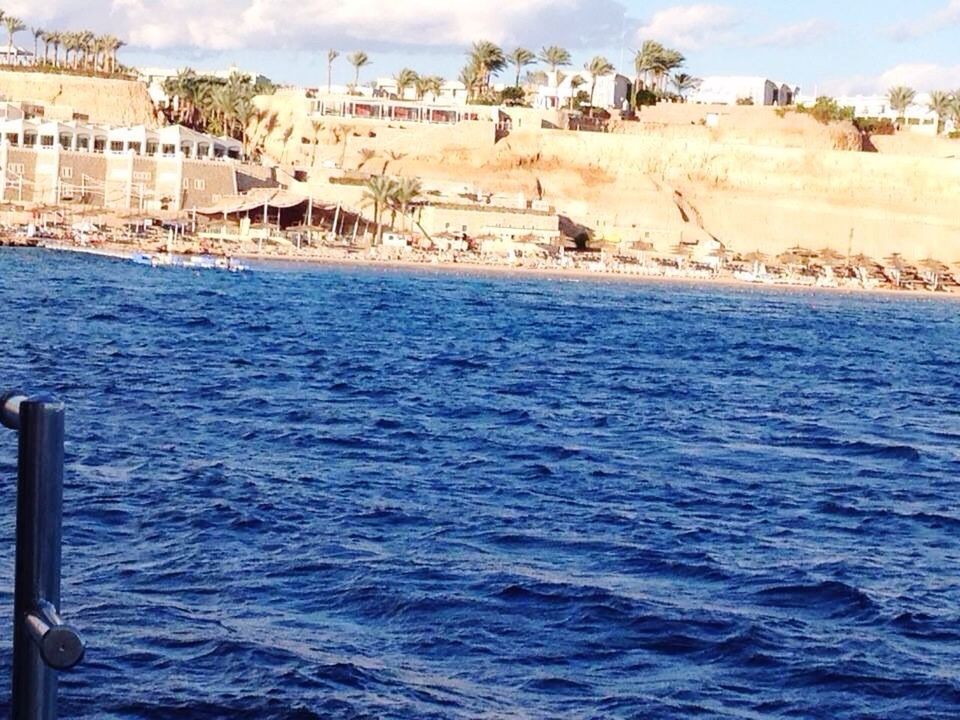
[(189, 262)]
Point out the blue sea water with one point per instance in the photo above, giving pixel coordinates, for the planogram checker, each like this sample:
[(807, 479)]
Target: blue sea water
[(359, 493)]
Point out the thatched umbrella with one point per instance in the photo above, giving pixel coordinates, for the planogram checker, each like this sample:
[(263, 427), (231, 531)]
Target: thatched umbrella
[(682, 253), (894, 265), (830, 257), (933, 271)]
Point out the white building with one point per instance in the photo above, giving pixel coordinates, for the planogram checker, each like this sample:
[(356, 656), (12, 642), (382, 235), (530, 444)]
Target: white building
[(611, 90), (744, 89), (172, 141), (919, 117), (452, 92), (15, 56)]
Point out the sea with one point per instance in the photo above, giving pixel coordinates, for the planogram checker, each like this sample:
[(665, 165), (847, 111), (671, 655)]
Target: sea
[(315, 492)]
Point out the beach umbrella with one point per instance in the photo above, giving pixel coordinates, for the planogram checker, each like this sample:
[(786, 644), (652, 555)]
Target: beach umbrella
[(829, 256), (756, 257)]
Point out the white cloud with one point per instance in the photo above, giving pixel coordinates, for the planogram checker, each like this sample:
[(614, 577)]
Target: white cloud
[(312, 24), (929, 24), (690, 26), (802, 33), (922, 77)]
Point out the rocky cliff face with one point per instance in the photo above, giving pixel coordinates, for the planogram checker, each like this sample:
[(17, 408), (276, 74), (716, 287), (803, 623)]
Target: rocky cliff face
[(114, 102), (758, 181)]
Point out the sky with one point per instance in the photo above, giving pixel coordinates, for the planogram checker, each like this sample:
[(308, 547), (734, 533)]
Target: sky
[(824, 46)]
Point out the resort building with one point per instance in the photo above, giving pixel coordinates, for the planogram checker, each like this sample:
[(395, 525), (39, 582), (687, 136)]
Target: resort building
[(561, 90), (171, 141), (351, 106), (918, 117), (745, 91), (452, 92), (13, 55), (172, 168), (533, 222)]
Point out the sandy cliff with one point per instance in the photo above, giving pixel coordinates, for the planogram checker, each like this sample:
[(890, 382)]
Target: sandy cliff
[(756, 181), (115, 102)]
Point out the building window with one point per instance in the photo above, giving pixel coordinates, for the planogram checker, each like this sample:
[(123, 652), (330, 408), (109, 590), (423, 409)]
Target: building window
[(186, 183), (83, 142), (66, 142), (169, 150), (99, 145), (152, 148), (116, 146), (66, 173), (30, 139), (199, 184), (46, 141), (15, 168), (142, 176), (13, 139)]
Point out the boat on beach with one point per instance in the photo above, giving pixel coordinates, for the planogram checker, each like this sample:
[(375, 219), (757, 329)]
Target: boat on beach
[(189, 262)]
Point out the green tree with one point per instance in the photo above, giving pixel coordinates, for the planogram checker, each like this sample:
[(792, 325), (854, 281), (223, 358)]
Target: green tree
[(684, 83), (13, 25), (939, 104), (576, 82), (429, 85), (378, 194), (647, 61), (38, 34), (488, 60), (555, 57), (405, 79), (359, 60), (521, 58), (598, 67), (900, 99), (332, 55), (405, 193)]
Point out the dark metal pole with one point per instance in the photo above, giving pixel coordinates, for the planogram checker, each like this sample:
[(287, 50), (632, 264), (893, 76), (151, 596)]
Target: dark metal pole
[(42, 643)]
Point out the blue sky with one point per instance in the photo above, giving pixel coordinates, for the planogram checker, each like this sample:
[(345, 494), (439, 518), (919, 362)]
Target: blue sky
[(825, 45)]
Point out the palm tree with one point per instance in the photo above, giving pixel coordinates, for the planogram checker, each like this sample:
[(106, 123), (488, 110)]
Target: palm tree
[(684, 83), (520, 58), (647, 61), (488, 59), (429, 85), (54, 39), (377, 193), (332, 55), (940, 103), (576, 82), (954, 110), (405, 79), (900, 99), (405, 194), (555, 58), (38, 34), (13, 25), (598, 67), (470, 77), (359, 60), (670, 61)]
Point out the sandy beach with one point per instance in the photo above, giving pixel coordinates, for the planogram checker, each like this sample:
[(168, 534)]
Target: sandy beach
[(477, 265)]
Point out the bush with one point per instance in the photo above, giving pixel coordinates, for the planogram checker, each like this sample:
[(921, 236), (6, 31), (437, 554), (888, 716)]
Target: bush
[(875, 126), (955, 135), (644, 97), (827, 110), (513, 96), (745, 101)]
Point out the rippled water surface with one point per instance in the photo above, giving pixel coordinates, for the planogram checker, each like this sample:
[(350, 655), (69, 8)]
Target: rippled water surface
[(346, 493)]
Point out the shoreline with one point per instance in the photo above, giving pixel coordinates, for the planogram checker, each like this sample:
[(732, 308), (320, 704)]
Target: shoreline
[(578, 274)]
